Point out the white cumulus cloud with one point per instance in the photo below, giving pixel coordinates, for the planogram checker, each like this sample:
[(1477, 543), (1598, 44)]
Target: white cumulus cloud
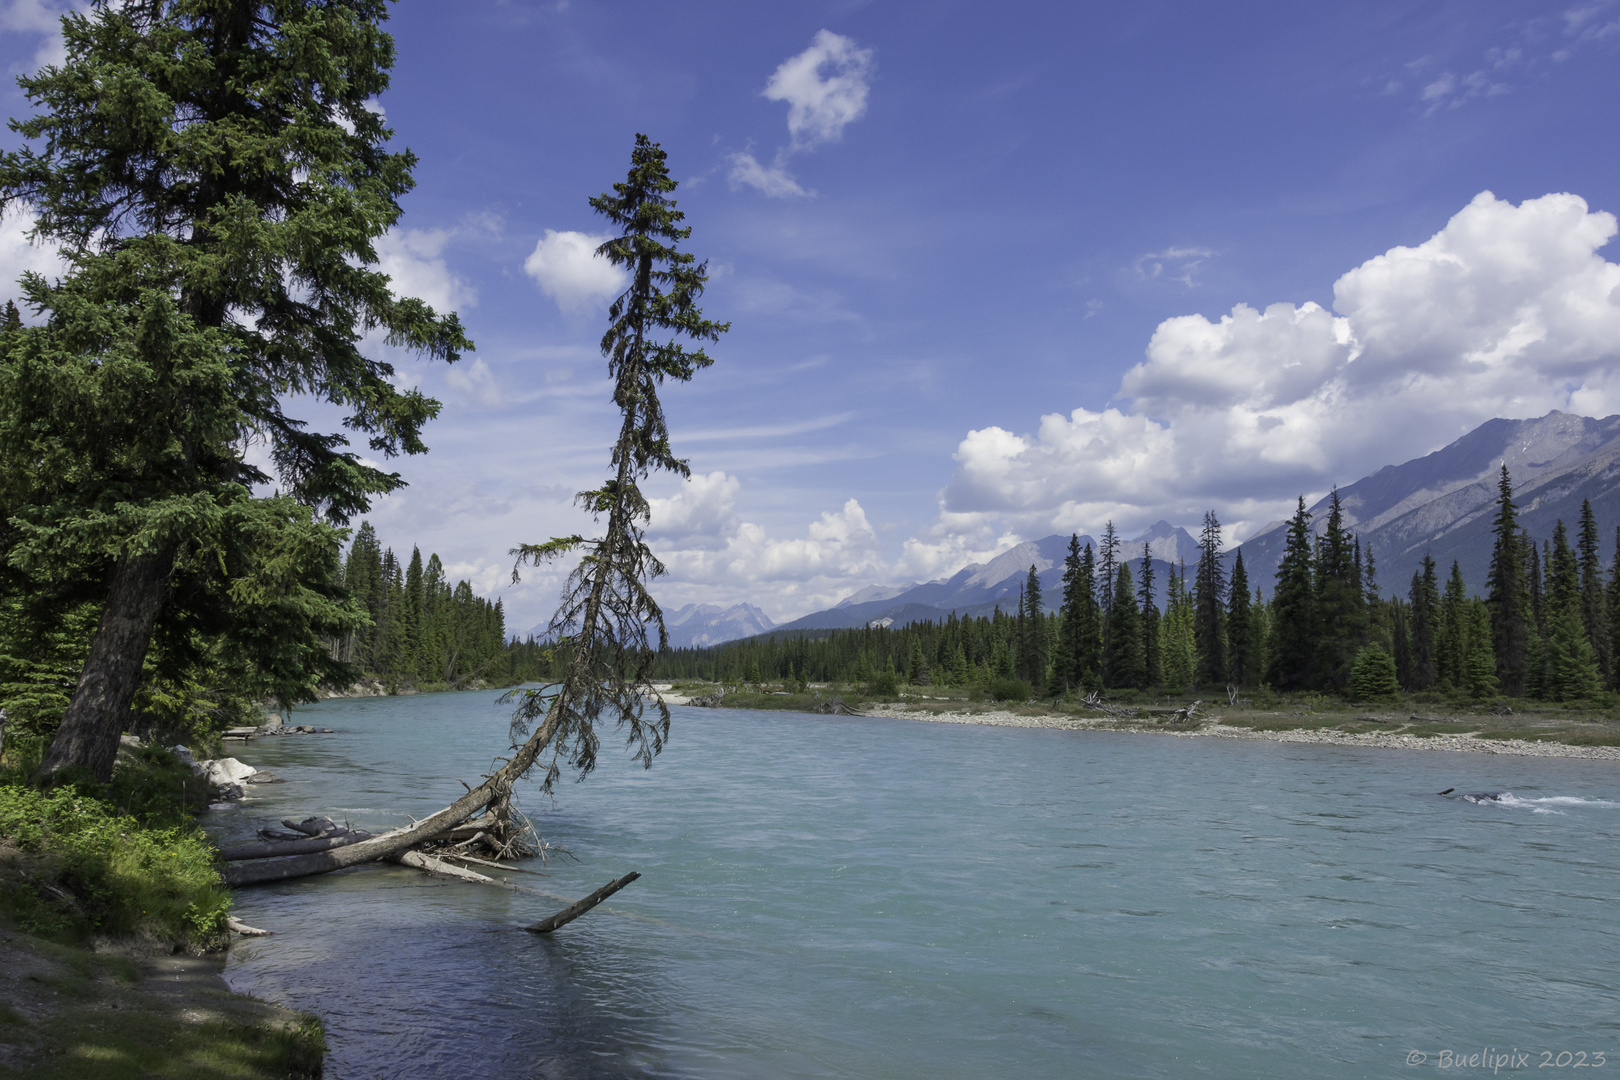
[(413, 259), (18, 255), (825, 88), (1506, 311), (567, 269), (701, 514)]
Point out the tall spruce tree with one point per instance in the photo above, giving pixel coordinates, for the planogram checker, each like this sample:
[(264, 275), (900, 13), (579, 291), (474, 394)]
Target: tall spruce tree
[(1480, 666), (215, 182), (1240, 639), (1209, 604), (1152, 659), (1293, 608), (1123, 665), (1569, 665), (1178, 652), (1451, 655), (1076, 614), (606, 608), (1107, 569), (1508, 597), (1425, 610), (1613, 598), (1341, 616), (1032, 649), (1594, 605)]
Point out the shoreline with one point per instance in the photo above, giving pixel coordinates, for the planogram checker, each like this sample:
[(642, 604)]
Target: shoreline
[(1212, 728)]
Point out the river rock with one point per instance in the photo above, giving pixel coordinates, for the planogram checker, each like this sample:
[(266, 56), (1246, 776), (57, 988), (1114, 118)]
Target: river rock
[(228, 775)]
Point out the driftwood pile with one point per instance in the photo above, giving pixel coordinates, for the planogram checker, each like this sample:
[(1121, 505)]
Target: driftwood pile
[(482, 841)]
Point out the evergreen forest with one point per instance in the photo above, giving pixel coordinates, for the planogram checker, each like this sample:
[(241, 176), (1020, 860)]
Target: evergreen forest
[(1545, 630)]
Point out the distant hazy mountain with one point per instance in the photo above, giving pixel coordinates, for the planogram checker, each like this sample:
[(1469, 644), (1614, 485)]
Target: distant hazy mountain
[(696, 625), (1444, 503), (978, 589)]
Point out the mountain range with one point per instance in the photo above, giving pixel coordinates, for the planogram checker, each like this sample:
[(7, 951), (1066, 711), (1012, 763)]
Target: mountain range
[(1442, 504)]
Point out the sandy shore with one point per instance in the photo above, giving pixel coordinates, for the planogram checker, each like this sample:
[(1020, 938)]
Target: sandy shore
[(1214, 729)]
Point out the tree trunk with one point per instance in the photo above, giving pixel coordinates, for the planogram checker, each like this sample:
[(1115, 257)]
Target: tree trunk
[(99, 711)]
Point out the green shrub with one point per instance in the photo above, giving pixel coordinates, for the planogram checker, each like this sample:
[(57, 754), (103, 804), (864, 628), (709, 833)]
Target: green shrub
[(1006, 689), (885, 686), (105, 872), (1372, 678)]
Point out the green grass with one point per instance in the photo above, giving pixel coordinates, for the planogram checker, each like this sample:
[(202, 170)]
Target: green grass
[(92, 1018)]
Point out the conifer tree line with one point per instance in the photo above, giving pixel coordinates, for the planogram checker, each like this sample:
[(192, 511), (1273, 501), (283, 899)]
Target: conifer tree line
[(1546, 628), (423, 631)]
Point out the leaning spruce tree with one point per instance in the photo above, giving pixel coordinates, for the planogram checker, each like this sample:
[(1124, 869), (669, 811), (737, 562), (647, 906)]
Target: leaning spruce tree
[(606, 610), (215, 181), (600, 630)]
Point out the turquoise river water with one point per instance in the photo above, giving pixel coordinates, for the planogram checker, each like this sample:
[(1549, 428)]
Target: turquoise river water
[(856, 897)]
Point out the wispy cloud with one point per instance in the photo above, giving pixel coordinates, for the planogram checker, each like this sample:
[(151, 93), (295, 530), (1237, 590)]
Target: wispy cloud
[(1173, 264), (826, 88)]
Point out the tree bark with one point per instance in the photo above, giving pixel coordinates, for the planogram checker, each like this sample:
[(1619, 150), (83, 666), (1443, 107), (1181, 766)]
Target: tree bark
[(99, 711), (276, 848)]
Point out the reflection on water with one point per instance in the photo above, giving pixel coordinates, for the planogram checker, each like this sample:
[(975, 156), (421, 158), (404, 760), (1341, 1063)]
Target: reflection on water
[(861, 897)]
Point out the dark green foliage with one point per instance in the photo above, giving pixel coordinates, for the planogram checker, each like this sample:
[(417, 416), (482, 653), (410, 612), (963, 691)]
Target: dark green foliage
[(1079, 650), (1451, 655), (128, 858), (1594, 606), (1568, 667), (1425, 612), (1032, 635), (423, 631), (1209, 604), (1107, 570), (1480, 668), (1178, 653), (1612, 597), (1340, 605), (1241, 641), (1152, 667), (216, 183), (1372, 676), (1005, 689), (1293, 605), (1508, 597), (1123, 663)]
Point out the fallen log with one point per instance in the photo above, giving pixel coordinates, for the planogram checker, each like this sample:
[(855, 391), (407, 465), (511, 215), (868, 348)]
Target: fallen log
[(276, 848), (233, 923), (575, 910), (314, 826), (486, 862), (398, 841), (419, 861)]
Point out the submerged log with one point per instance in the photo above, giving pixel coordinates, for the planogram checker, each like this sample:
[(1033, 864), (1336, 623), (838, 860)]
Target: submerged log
[(574, 911), (240, 927)]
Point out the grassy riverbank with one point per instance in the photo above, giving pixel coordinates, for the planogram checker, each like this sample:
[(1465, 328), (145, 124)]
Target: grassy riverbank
[(112, 937), (1585, 724)]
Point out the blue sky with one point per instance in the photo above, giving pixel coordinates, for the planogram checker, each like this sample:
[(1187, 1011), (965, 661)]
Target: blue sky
[(994, 271)]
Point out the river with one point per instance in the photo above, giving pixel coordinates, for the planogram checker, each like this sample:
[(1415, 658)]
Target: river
[(863, 897)]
